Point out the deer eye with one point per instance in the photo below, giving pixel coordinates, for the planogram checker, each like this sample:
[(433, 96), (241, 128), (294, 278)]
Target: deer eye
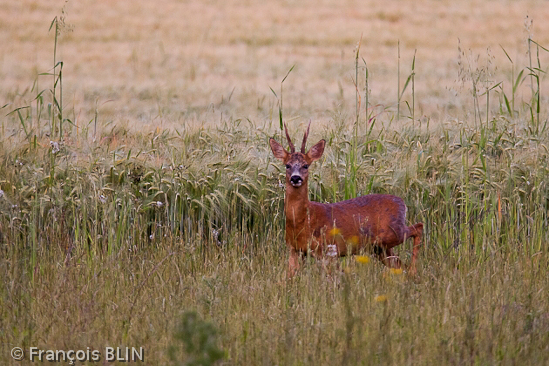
[(305, 166), (288, 166)]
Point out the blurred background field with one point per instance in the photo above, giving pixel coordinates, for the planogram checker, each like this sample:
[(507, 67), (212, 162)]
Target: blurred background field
[(171, 62), (140, 205)]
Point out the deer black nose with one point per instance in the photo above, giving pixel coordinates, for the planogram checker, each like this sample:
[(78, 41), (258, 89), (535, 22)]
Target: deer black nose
[(296, 180)]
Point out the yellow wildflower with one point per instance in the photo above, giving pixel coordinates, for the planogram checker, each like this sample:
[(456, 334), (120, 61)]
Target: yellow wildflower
[(362, 259), (335, 231), (396, 271), (353, 240), (380, 298)]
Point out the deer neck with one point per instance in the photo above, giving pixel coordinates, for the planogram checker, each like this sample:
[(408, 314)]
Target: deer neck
[(296, 205)]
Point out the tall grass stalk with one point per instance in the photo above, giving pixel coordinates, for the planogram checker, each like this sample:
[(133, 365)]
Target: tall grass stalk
[(413, 76), (516, 82), (57, 103), (357, 91), (409, 80), (535, 76), (399, 94), (280, 100), (366, 94)]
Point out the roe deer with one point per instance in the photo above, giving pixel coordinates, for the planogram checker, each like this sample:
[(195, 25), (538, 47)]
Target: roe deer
[(341, 228)]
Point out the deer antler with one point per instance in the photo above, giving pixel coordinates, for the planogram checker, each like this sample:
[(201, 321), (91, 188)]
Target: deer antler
[(292, 147), (304, 143)]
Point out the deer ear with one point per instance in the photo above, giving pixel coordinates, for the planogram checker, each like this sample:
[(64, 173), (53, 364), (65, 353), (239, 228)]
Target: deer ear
[(278, 150), (317, 150)]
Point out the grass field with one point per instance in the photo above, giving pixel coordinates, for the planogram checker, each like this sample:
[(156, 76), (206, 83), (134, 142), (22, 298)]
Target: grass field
[(141, 206)]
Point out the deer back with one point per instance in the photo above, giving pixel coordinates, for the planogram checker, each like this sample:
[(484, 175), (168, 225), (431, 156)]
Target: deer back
[(377, 219)]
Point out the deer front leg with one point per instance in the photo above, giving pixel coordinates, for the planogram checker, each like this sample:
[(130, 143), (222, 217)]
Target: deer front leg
[(294, 263)]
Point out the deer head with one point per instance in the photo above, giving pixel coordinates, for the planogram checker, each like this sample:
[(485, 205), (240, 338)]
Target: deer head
[(297, 163)]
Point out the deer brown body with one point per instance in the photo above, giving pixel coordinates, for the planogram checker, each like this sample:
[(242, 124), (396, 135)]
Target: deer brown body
[(341, 228)]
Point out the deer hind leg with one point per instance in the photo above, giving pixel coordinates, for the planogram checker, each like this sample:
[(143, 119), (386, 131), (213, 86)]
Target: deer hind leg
[(387, 257), (416, 232), (392, 259)]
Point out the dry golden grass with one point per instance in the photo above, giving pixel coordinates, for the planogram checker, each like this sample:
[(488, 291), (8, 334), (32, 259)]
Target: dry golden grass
[(166, 61)]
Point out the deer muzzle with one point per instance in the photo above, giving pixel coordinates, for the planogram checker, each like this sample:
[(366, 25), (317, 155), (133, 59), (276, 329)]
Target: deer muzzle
[(296, 180)]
